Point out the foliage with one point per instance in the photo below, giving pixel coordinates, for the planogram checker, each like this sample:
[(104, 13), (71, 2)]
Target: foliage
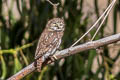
[(22, 22)]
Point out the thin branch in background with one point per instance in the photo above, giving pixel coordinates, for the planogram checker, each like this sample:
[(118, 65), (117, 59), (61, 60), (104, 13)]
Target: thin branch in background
[(54, 7), (103, 20), (0, 37), (12, 51), (108, 8), (3, 68), (42, 73), (24, 57)]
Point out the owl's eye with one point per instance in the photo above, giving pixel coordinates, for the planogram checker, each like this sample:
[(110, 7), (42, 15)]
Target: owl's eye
[(56, 27), (53, 25), (61, 25)]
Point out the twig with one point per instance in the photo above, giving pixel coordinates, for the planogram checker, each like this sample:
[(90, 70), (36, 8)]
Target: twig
[(68, 52), (94, 24), (16, 49), (54, 7), (107, 13)]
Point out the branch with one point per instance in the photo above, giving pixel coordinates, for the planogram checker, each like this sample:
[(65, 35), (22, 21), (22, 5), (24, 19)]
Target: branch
[(68, 52), (16, 49)]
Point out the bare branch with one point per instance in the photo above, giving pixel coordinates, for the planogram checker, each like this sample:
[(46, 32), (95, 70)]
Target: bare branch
[(68, 52), (54, 5)]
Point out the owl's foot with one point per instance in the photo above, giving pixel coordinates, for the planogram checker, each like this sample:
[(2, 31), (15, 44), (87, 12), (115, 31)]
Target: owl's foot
[(54, 57)]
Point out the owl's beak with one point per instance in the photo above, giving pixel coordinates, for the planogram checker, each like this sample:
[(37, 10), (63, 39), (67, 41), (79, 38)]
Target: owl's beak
[(60, 29)]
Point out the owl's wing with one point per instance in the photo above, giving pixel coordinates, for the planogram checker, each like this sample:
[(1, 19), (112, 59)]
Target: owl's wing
[(47, 45)]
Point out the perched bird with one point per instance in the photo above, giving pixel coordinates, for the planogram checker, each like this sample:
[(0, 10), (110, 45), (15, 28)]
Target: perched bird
[(49, 41)]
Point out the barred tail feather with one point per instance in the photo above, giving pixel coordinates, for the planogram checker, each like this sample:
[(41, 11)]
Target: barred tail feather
[(39, 63)]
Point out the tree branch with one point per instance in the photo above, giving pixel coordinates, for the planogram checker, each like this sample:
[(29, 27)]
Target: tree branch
[(68, 52)]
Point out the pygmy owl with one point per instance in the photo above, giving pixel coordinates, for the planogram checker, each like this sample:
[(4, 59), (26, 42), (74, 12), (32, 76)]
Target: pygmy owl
[(49, 41)]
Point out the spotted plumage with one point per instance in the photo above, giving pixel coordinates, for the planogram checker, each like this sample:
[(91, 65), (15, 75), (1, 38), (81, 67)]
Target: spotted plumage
[(49, 41)]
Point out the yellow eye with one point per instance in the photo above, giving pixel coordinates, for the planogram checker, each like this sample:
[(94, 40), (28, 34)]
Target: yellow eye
[(53, 25)]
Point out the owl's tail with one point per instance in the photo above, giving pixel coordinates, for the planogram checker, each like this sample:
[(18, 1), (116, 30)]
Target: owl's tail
[(38, 64)]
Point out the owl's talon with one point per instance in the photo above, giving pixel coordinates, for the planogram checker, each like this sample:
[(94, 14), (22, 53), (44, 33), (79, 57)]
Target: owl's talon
[(54, 57)]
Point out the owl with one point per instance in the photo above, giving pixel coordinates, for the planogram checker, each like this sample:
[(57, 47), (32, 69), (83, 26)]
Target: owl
[(49, 41)]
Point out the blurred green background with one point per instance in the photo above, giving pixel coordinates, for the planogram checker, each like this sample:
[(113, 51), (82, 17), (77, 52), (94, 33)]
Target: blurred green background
[(22, 22)]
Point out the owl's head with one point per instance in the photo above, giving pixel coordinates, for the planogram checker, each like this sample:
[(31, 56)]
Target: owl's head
[(56, 24)]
